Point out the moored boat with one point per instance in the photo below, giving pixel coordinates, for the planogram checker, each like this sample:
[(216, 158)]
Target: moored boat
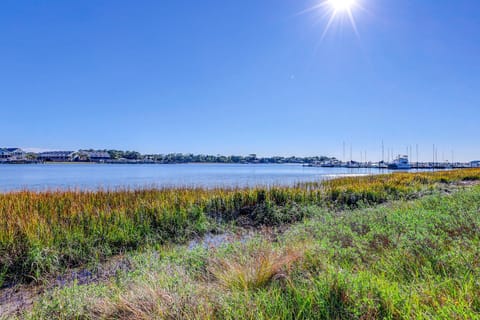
[(401, 163)]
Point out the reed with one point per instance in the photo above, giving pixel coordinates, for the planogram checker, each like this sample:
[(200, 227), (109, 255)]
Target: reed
[(44, 232)]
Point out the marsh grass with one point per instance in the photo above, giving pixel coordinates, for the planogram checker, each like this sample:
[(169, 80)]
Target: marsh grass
[(256, 270), (43, 233), (138, 302), (415, 259)]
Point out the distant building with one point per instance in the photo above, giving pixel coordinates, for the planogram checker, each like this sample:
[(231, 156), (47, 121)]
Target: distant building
[(94, 156), (56, 156), (12, 154), (475, 164)]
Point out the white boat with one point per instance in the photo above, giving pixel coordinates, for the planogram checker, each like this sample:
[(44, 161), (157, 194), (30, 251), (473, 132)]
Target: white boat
[(401, 163)]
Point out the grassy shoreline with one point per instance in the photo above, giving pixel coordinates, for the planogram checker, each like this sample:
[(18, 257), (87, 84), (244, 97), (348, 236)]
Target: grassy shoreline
[(45, 232), (414, 259)]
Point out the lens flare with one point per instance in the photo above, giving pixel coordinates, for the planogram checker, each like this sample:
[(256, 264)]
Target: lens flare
[(341, 5), (336, 12)]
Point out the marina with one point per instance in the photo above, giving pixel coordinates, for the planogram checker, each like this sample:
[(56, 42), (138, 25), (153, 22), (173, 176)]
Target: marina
[(397, 165)]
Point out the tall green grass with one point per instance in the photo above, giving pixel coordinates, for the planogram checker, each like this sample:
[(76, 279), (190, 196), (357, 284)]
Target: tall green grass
[(41, 233)]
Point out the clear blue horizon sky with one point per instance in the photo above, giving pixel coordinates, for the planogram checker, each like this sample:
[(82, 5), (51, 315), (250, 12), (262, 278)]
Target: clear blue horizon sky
[(240, 77)]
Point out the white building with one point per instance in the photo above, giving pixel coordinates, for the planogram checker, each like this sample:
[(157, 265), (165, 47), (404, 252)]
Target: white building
[(12, 154), (56, 156), (94, 156), (475, 164)]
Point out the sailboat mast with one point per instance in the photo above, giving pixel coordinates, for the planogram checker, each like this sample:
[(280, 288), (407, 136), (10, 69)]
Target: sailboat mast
[(383, 152), (417, 154)]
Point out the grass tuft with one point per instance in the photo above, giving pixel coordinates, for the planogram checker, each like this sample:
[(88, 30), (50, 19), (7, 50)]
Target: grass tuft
[(255, 270)]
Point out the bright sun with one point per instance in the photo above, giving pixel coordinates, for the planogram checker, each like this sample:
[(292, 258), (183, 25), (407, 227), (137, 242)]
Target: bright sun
[(341, 5), (337, 12)]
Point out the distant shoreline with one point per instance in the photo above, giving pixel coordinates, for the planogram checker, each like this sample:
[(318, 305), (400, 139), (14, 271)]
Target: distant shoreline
[(419, 166), (137, 163)]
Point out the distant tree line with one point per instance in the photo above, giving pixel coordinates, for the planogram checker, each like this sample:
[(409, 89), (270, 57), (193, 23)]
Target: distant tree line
[(130, 155), (202, 158)]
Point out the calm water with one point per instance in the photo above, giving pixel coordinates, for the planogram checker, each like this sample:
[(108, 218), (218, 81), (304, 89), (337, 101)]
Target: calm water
[(111, 176)]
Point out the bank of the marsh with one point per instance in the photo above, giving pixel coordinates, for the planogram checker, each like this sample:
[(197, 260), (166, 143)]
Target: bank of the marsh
[(331, 235), (44, 233), (402, 260)]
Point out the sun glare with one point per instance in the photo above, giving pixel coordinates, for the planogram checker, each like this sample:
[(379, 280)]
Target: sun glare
[(341, 5), (337, 12)]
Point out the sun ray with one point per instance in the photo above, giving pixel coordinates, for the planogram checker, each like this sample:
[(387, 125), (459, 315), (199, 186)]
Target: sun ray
[(332, 10), (312, 8), (354, 24), (329, 24)]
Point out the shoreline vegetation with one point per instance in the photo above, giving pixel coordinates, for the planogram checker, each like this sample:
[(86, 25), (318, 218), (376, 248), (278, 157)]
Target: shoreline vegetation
[(355, 247), (105, 156), (18, 156)]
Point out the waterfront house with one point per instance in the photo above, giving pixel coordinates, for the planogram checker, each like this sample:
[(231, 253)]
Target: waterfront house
[(93, 156), (12, 154), (475, 164), (55, 156)]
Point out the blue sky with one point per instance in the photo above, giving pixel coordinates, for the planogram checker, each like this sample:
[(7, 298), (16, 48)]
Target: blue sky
[(239, 77)]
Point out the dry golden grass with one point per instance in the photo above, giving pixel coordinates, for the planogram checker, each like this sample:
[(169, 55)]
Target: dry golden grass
[(255, 270), (139, 302), (169, 292)]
